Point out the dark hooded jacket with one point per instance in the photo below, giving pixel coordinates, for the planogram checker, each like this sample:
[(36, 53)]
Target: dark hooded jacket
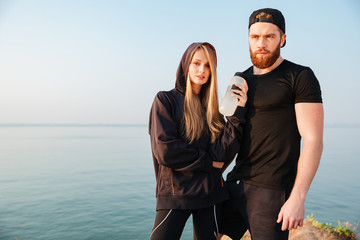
[(185, 177)]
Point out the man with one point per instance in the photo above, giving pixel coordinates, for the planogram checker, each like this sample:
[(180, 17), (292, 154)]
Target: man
[(271, 178)]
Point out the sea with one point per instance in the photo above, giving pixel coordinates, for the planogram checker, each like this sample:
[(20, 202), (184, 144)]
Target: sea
[(77, 182)]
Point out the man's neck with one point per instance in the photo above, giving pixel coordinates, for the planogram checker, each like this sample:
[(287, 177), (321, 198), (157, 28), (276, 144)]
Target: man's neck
[(258, 71)]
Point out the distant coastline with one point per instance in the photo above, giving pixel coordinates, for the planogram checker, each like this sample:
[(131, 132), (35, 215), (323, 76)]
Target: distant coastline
[(332, 125), (68, 125), (343, 125)]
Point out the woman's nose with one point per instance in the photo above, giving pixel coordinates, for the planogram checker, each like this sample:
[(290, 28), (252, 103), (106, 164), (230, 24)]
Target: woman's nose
[(201, 68)]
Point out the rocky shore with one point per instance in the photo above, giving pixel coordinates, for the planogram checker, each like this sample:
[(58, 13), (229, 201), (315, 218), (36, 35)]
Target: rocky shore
[(307, 232)]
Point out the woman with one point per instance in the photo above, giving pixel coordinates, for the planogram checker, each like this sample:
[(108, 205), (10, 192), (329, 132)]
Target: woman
[(190, 143)]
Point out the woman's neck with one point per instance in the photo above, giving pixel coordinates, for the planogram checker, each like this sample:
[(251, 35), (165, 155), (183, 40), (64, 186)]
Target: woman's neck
[(196, 88)]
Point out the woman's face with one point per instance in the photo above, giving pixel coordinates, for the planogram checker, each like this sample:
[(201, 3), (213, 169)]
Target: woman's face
[(199, 70)]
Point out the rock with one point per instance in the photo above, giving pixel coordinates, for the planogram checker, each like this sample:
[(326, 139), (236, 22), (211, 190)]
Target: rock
[(307, 232)]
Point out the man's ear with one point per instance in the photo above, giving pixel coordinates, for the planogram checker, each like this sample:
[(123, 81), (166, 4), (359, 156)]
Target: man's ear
[(282, 40)]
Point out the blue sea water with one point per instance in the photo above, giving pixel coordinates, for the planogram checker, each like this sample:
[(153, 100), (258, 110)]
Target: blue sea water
[(97, 182)]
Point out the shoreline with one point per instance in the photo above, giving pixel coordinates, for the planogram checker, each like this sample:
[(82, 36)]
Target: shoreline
[(313, 230)]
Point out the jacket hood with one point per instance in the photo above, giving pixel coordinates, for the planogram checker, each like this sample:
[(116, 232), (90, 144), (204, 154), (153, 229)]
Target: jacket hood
[(183, 68)]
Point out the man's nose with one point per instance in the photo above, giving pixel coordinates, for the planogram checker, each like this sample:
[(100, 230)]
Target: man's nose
[(261, 43)]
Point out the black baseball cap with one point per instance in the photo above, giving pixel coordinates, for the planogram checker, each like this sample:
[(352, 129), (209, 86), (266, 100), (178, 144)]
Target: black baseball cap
[(276, 18)]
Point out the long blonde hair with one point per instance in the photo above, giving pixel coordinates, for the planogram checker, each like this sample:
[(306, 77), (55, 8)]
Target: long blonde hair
[(195, 108)]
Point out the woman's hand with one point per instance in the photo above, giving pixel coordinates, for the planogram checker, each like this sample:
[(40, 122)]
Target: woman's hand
[(218, 164), (241, 95)]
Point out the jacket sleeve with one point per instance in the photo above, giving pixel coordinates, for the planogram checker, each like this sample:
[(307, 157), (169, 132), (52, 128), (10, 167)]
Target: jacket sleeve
[(167, 146), (227, 144)]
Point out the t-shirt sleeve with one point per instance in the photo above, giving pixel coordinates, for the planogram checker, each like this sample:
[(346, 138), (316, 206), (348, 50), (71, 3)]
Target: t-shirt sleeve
[(307, 87)]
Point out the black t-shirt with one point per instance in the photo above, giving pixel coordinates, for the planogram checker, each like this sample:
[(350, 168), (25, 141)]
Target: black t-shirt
[(270, 146)]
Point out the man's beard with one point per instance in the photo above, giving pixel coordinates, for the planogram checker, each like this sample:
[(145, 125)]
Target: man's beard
[(265, 61)]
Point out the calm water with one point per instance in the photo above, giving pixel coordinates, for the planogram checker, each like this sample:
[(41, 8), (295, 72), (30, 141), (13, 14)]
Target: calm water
[(78, 183)]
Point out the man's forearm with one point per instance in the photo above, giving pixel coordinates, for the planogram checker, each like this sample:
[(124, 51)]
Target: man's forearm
[(307, 166)]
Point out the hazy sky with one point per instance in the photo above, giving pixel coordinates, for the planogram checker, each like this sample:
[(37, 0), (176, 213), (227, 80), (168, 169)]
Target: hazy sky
[(102, 62)]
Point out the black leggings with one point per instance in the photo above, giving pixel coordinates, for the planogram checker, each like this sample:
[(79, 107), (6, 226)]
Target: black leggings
[(169, 223)]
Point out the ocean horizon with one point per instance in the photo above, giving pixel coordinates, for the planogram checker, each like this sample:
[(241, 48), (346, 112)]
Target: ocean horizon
[(96, 181), (329, 125)]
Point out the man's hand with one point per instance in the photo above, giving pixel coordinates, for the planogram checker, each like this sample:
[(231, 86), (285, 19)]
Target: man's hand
[(292, 214)]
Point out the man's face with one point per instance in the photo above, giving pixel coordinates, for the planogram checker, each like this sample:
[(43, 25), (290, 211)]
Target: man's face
[(265, 43)]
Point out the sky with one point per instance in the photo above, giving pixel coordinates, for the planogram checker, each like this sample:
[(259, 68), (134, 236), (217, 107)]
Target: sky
[(102, 62)]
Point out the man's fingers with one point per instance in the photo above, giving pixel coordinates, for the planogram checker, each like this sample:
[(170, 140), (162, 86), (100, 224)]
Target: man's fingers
[(292, 224), (284, 219), (285, 225), (298, 223), (280, 216), (301, 223)]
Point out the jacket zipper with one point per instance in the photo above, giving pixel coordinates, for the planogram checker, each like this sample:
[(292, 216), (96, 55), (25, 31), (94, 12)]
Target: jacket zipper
[(172, 184), (222, 182)]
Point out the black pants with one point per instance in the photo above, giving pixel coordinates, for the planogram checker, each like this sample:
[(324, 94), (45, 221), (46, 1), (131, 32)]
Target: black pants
[(169, 224), (255, 209)]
